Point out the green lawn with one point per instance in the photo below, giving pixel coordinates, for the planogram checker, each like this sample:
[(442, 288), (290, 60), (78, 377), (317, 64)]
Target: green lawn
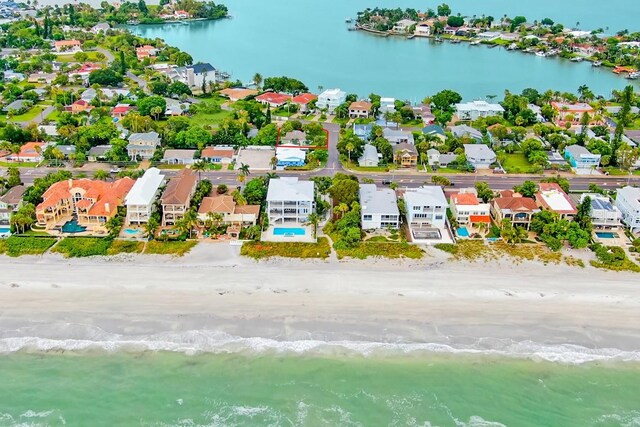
[(29, 115), (175, 248), (211, 119), (91, 57), (260, 250), (18, 164), (54, 116), (374, 248), (620, 172), (517, 163), (17, 246)]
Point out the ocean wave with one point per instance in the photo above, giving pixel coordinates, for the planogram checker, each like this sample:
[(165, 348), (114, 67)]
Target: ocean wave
[(198, 342)]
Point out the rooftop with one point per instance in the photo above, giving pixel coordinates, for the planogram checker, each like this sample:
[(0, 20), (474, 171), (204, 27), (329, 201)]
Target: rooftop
[(552, 197), (178, 191), (144, 190), (290, 189), (427, 195), (374, 200)]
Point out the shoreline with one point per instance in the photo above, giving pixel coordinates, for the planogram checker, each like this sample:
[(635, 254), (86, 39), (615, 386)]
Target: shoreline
[(213, 301)]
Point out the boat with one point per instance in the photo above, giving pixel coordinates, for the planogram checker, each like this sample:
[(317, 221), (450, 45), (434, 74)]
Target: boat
[(540, 53), (528, 50), (596, 64), (512, 46), (456, 41), (348, 20), (475, 43), (634, 75), (577, 59), (438, 40)]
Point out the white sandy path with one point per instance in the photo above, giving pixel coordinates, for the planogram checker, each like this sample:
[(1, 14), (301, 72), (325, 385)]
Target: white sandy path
[(213, 289)]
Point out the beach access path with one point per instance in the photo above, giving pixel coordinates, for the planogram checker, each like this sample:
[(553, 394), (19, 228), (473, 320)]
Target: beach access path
[(213, 290)]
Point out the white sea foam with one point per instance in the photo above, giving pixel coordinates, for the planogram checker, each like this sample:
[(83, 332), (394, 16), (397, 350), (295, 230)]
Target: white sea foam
[(196, 342)]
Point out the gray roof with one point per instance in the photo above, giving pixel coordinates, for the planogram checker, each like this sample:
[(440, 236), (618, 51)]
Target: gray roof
[(478, 150), (464, 130), (370, 153), (179, 154), (375, 200), (14, 195), (202, 68), (433, 130), (601, 204), (404, 146), (148, 137), (395, 134), (17, 104), (576, 150), (290, 189), (99, 150), (66, 149)]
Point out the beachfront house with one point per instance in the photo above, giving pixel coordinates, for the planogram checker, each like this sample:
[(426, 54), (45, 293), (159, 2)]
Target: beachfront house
[(405, 155), (387, 105), (290, 200), (194, 75), (370, 156), (146, 51), (219, 154), (423, 29), (330, 99), (273, 99), (91, 202), (10, 202), (571, 112), (229, 211), (426, 212), (475, 109), (480, 156), (379, 208), (100, 27), (552, 197), (142, 145), (581, 160), (512, 206), (303, 101), (140, 201), (628, 202), (467, 209), (176, 197), (403, 26), (360, 109), (604, 215)]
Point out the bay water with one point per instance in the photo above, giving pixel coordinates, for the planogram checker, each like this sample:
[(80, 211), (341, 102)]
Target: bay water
[(309, 40)]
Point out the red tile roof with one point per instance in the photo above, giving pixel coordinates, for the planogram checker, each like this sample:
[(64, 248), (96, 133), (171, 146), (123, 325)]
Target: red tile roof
[(304, 98), (209, 152), (273, 98), (465, 199), (516, 204), (31, 149)]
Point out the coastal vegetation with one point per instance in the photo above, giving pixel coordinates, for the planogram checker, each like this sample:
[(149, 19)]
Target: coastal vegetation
[(174, 248), (261, 250), (78, 247), (15, 246)]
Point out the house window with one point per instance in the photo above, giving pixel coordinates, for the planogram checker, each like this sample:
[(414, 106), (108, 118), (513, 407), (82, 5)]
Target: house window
[(367, 217)]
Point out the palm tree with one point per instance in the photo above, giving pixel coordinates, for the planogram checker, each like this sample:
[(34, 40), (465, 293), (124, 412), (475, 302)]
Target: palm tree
[(151, 227), (244, 172), (199, 166), (313, 219), (155, 112), (238, 197), (273, 162), (101, 175), (350, 148), (269, 176), (190, 219), (342, 209), (257, 80)]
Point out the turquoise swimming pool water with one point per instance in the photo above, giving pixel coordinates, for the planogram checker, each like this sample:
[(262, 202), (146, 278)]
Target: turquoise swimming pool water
[(131, 231), (289, 231), (606, 235), (73, 227), (463, 232)]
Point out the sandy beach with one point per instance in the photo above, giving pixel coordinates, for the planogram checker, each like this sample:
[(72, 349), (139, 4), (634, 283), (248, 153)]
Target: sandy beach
[(213, 294)]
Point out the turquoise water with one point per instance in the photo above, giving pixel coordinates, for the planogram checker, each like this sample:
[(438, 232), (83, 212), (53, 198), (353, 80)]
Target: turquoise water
[(278, 231), (605, 235), (463, 232), (131, 231), (73, 227), (170, 389), (310, 41)]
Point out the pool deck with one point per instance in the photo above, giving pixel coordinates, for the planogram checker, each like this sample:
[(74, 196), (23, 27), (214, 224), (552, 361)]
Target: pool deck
[(620, 240), (268, 236)]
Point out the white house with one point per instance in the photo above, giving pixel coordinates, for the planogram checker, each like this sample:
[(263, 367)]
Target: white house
[(465, 131), (628, 202), (467, 209), (387, 105), (581, 159), (370, 156), (331, 99), (604, 215), (143, 145), (194, 75), (476, 109), (290, 156), (403, 25), (395, 136), (423, 29), (480, 156), (141, 198), (426, 212), (10, 202), (379, 207), (289, 200), (179, 157)]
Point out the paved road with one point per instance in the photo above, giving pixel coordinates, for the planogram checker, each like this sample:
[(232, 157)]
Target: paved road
[(37, 119), (110, 58)]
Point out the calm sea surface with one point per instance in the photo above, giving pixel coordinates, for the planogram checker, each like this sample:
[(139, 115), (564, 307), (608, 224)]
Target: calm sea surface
[(169, 389), (308, 39)]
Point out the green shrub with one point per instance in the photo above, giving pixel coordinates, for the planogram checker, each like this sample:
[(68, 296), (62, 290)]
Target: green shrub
[(78, 247), (17, 246), (173, 247), (125, 247), (260, 250)]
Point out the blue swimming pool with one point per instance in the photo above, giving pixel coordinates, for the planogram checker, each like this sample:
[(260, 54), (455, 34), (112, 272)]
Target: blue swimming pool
[(5, 231), (606, 235), (131, 231), (289, 231), (73, 227), (463, 232)]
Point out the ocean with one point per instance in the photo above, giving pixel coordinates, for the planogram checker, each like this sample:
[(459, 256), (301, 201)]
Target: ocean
[(94, 388), (308, 40)]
